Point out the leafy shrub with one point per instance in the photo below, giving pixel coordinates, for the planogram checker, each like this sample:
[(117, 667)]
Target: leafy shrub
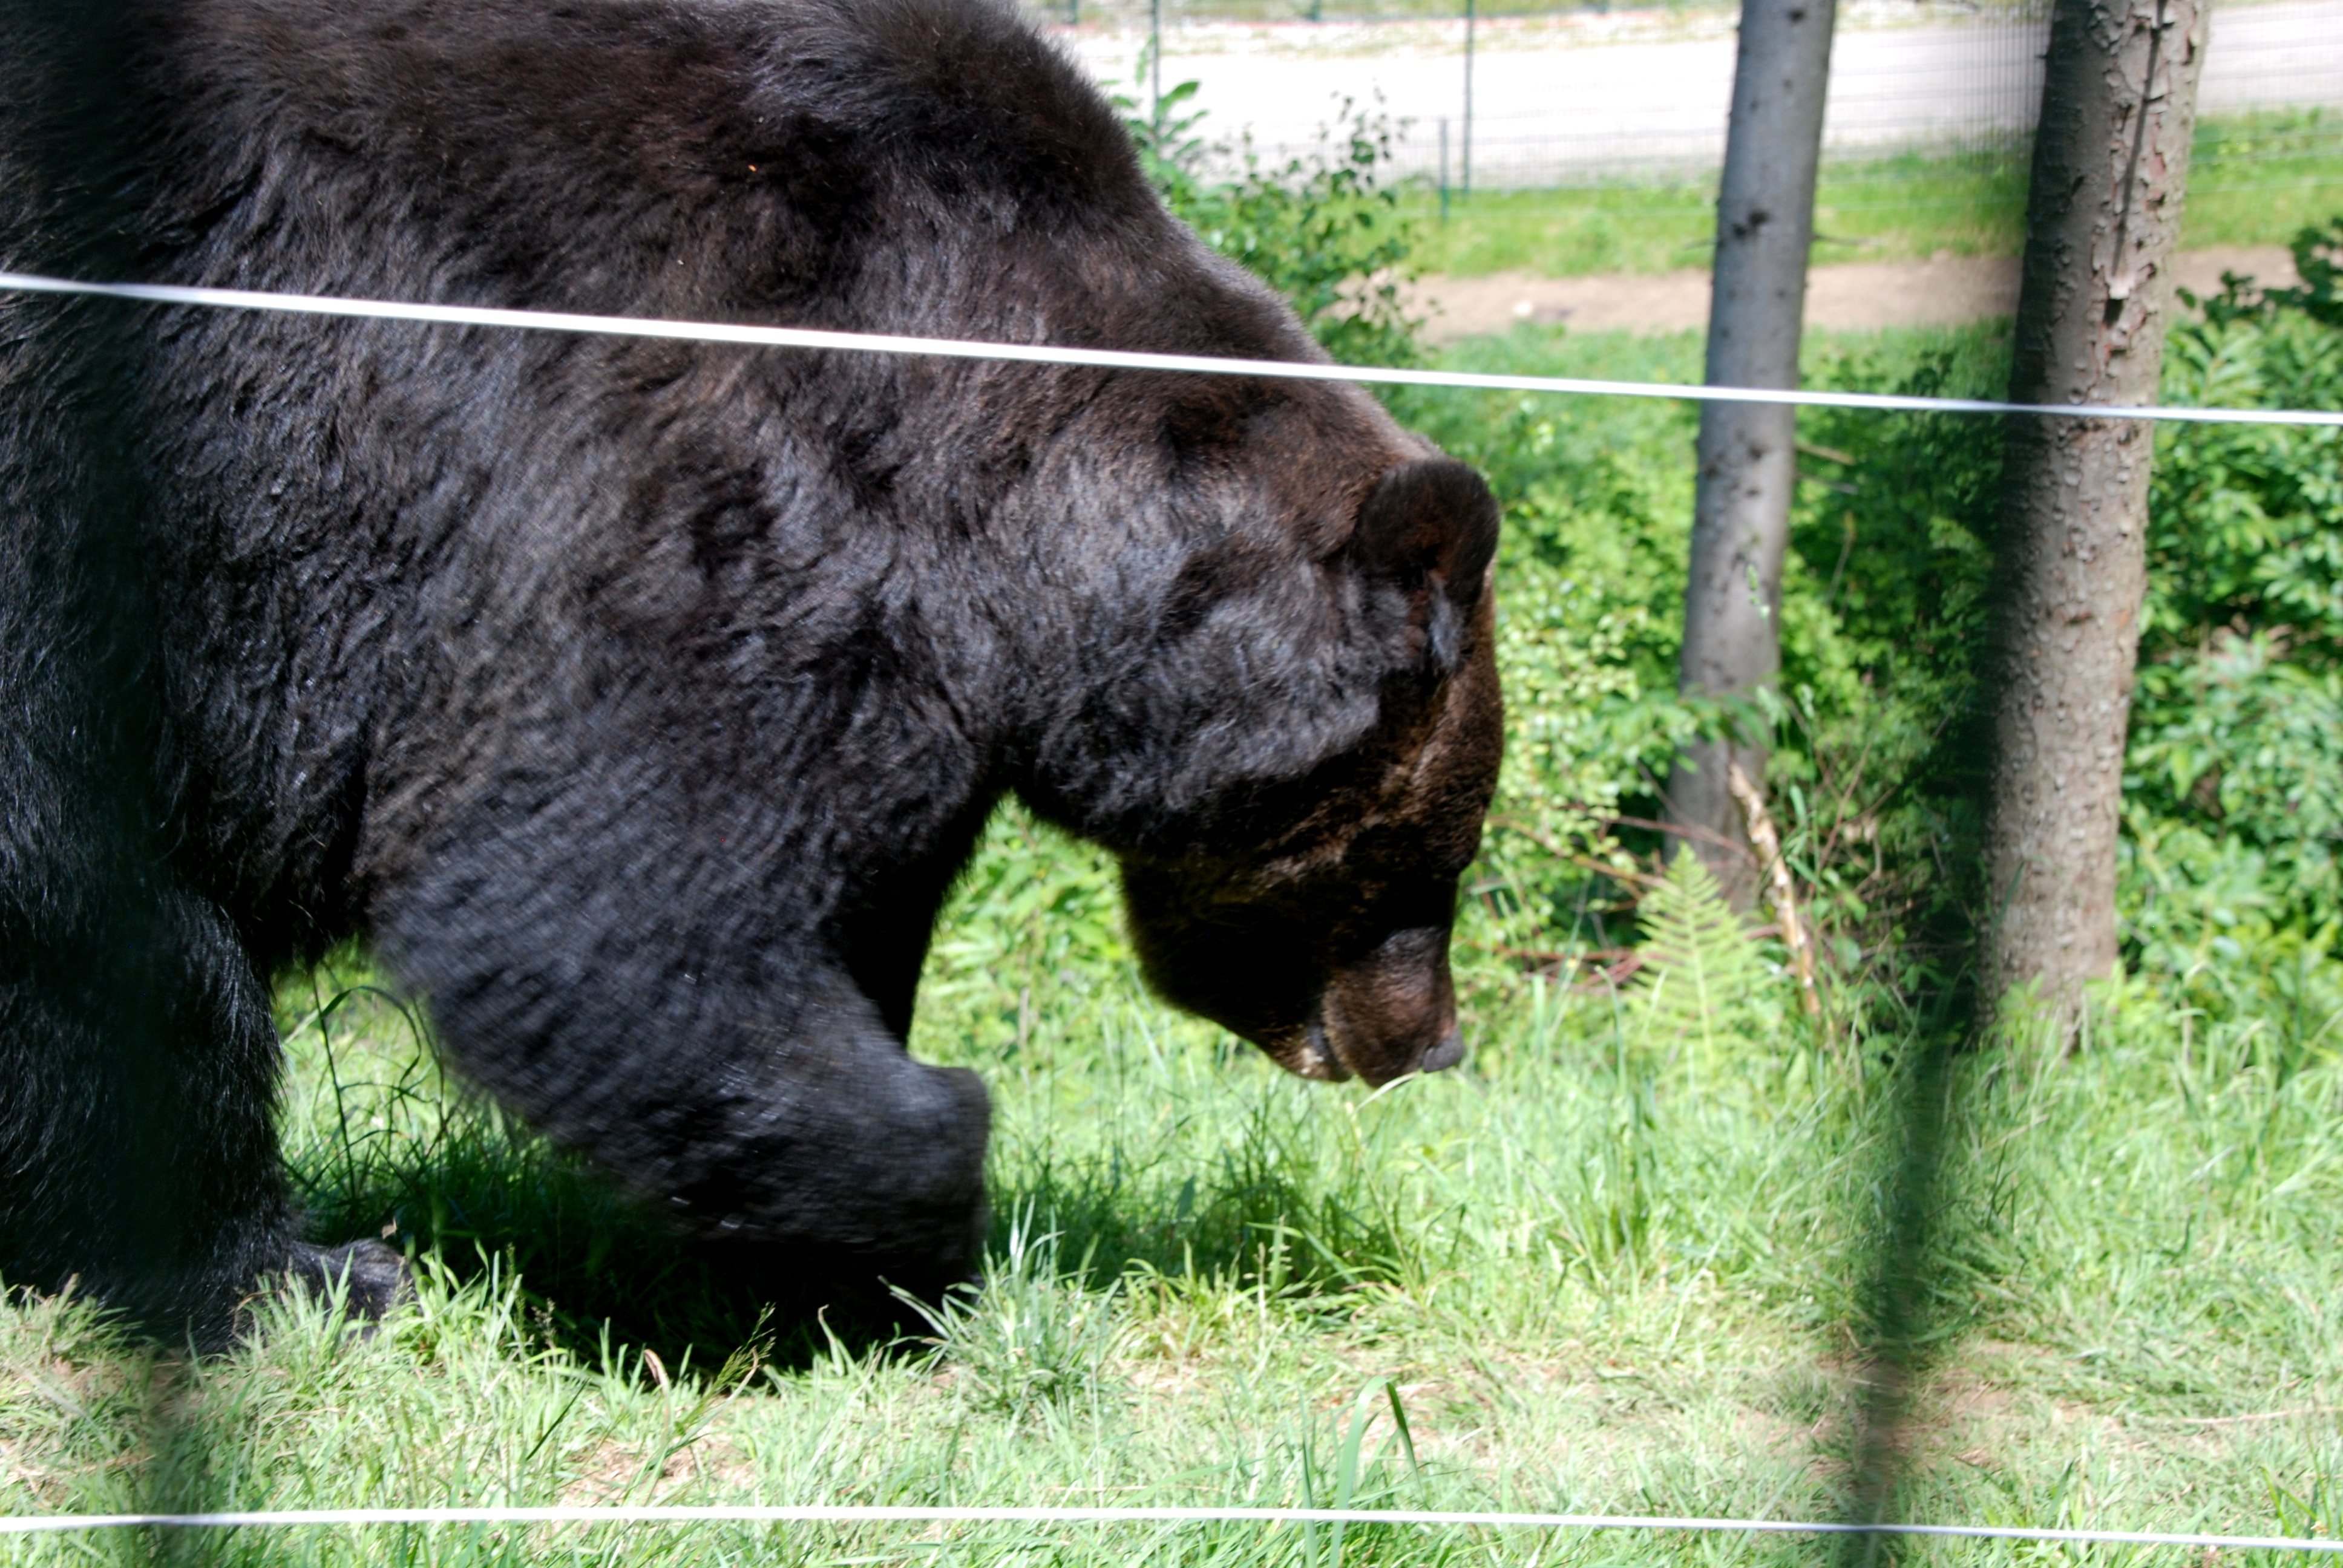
[(1322, 229), (2243, 533), (1702, 992), (2232, 809), (2234, 799)]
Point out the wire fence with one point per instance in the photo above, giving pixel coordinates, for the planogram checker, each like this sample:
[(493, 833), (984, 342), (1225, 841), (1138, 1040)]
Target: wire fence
[(1507, 96), (1554, 99), (827, 1513), (817, 338)]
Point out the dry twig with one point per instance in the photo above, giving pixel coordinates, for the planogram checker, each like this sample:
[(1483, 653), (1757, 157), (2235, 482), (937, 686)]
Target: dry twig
[(1768, 845)]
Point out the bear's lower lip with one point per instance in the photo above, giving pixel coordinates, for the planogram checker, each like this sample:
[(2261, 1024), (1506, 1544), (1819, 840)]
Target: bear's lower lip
[(1443, 1054)]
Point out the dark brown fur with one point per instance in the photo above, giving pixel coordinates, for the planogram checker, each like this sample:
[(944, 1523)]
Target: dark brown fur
[(640, 700)]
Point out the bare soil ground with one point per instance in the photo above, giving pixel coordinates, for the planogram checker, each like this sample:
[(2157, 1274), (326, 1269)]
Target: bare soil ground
[(1856, 296)]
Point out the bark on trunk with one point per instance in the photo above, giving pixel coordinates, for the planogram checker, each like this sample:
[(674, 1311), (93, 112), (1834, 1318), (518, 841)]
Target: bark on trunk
[(1747, 455), (2110, 163)]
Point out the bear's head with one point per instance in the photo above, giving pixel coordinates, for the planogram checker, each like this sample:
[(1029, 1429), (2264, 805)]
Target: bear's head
[(1320, 932)]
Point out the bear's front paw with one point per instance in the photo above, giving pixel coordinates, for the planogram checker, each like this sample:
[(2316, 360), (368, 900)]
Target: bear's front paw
[(371, 1278)]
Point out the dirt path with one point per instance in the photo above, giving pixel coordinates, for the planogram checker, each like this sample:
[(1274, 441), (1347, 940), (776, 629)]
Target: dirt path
[(1856, 296)]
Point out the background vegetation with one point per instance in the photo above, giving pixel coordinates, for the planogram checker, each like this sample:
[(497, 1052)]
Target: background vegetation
[(1639, 1255), (2254, 180)]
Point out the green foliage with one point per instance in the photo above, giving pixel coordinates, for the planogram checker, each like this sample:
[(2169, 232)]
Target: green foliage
[(2232, 813), (1609, 1290), (1033, 1339), (1322, 229), (2252, 180), (2233, 801), (1703, 989), (2243, 531), (2232, 810), (1044, 926)]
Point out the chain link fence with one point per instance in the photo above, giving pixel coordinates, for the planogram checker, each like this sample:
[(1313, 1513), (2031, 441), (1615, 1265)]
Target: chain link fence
[(1505, 95)]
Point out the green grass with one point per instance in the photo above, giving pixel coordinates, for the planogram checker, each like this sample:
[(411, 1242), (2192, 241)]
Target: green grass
[(1629, 1258), (1598, 1270), (2256, 180)]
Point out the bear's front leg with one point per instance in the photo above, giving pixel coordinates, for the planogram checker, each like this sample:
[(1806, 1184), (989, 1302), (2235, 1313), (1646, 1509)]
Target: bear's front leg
[(755, 1098), (825, 1138)]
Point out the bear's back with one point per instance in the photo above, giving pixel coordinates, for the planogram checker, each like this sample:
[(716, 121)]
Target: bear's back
[(394, 565), (806, 156)]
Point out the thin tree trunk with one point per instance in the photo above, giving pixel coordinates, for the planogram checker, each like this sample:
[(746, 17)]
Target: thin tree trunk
[(1748, 459), (2103, 219)]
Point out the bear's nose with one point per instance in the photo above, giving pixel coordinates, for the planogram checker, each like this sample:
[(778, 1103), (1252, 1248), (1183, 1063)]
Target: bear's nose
[(1446, 1051), (1393, 1012)]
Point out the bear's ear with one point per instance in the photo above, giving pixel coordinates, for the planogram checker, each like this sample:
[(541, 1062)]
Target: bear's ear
[(1431, 521)]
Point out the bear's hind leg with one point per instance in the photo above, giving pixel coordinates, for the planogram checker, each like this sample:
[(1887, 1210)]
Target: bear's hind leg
[(138, 1067)]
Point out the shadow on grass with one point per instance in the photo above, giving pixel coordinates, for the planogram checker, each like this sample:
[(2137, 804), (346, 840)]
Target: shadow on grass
[(599, 1274), (1271, 1207), (386, 1146)]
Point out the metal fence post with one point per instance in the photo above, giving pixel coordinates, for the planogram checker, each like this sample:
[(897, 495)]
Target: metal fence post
[(1443, 168), (1469, 7)]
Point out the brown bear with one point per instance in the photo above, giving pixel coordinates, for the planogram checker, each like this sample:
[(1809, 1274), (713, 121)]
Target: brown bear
[(637, 701)]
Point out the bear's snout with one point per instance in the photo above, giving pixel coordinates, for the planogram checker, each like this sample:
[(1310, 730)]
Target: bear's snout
[(1392, 1012), (1446, 1053)]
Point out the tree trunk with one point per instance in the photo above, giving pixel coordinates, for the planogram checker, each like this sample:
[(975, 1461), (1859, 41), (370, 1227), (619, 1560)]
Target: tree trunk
[(1748, 457), (2110, 162)]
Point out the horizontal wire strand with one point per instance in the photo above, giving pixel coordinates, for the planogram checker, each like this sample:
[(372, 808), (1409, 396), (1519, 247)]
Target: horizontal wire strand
[(745, 1513), (1116, 359), (957, 348)]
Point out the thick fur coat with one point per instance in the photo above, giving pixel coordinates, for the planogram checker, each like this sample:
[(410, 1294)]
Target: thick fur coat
[(638, 702)]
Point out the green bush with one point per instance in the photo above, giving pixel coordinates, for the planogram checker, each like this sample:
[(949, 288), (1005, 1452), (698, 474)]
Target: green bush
[(2233, 798), (1323, 230)]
